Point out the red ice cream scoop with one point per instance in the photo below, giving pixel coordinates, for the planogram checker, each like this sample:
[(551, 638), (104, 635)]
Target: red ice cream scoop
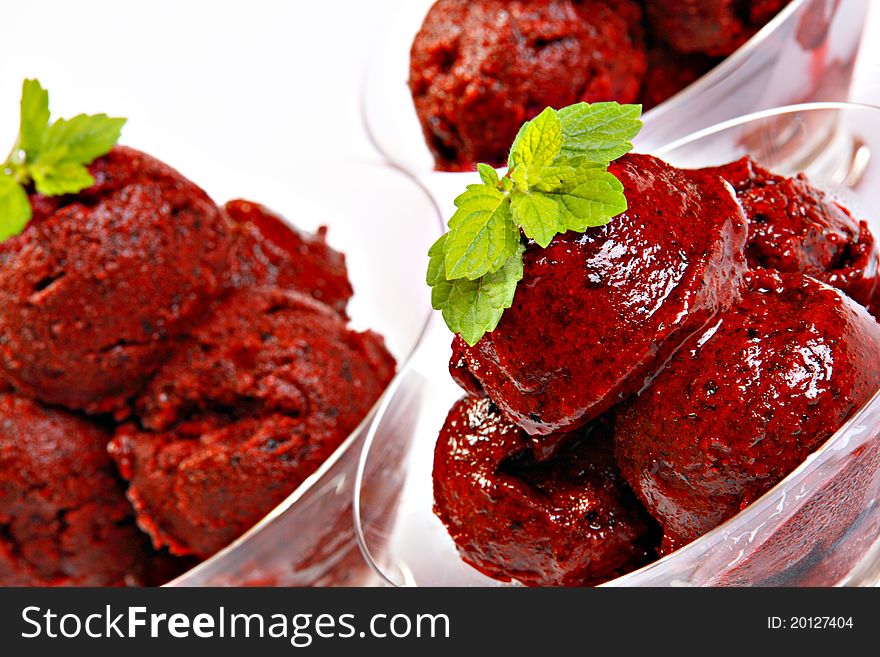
[(100, 284), (669, 72), (796, 227), (64, 519), (711, 27), (267, 251), (253, 401), (744, 402), (480, 68), (598, 313), (568, 521)]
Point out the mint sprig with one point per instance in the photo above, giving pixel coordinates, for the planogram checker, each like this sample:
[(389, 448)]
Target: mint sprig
[(472, 307), (52, 158), (557, 180)]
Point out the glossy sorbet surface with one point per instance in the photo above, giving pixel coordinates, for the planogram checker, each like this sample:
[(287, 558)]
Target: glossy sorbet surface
[(597, 313), (569, 521), (796, 227), (741, 405)]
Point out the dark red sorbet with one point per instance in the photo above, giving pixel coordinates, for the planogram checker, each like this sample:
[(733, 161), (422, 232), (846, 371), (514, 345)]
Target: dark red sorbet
[(269, 252), (480, 68), (669, 72), (746, 401), (795, 227), (710, 27), (598, 313), (99, 285), (64, 519), (253, 401), (568, 521)]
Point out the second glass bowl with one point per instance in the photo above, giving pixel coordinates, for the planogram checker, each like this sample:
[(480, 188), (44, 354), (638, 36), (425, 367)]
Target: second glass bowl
[(818, 527), (806, 53)]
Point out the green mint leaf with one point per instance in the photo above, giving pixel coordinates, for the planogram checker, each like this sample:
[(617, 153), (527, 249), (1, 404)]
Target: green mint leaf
[(557, 181), (488, 174), (538, 215), (482, 233), (601, 132), (15, 208), (34, 118), (475, 198), (437, 262), (515, 146), (52, 179), (472, 308), (82, 139), (538, 145), (565, 173), (591, 203), (53, 156), (554, 177)]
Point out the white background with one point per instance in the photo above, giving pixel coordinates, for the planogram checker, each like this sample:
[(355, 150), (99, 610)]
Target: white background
[(259, 86)]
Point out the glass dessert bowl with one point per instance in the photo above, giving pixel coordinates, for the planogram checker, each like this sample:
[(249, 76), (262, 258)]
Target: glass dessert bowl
[(215, 415), (819, 526), (308, 539), (805, 53)]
